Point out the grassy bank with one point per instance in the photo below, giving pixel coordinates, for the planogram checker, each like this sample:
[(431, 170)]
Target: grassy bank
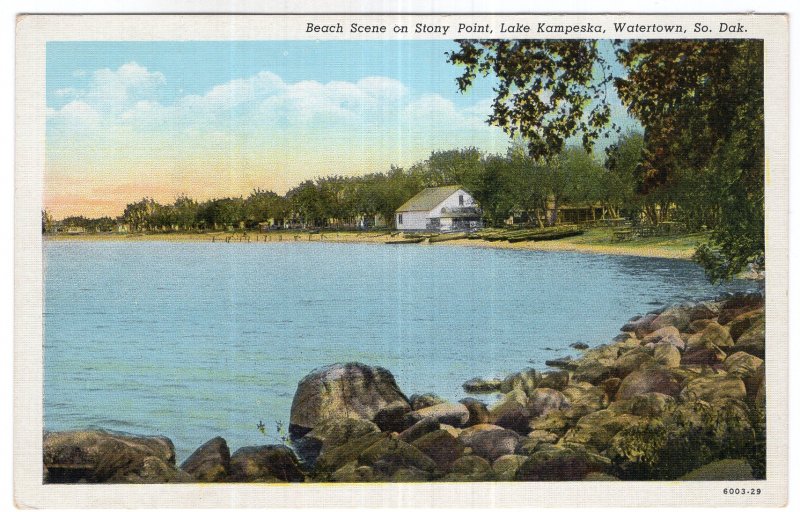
[(594, 240)]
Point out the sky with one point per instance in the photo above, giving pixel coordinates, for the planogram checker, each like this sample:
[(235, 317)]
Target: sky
[(219, 118)]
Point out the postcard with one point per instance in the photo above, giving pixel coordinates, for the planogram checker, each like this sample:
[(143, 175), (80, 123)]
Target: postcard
[(401, 260)]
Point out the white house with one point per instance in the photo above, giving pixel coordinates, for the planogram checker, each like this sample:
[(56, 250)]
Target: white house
[(439, 209)]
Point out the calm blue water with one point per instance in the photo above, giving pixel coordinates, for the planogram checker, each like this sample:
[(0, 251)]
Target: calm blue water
[(194, 340)]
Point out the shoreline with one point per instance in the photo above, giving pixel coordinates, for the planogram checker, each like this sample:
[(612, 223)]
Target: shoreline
[(594, 241), (621, 410)]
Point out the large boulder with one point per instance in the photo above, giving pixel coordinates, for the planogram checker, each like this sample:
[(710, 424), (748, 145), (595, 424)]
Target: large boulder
[(331, 434), (560, 465), (466, 435), (713, 334), (96, 456), (556, 379), (743, 322), (592, 372), (469, 468), (667, 355), (419, 429), (668, 334), (583, 399), (512, 411), (650, 380), (596, 430), (714, 388), (425, 400), (209, 463), (526, 380), (649, 405), (709, 354), (506, 467), (454, 414), (389, 454), (335, 458), (677, 317), (640, 325), (703, 311), (478, 412), (269, 463), (721, 470), (544, 400), (743, 365), (491, 444), (632, 361), (752, 340), (351, 390), (441, 447)]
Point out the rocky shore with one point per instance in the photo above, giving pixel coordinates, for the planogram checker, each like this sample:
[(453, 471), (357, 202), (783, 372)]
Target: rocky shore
[(678, 395)]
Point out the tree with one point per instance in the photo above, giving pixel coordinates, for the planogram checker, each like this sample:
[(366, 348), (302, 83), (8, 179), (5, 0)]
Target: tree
[(699, 101), (47, 221)]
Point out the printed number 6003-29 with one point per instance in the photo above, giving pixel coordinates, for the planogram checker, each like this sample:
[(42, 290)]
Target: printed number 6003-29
[(741, 490)]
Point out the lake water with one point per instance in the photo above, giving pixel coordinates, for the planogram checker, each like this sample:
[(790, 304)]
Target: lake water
[(195, 340)]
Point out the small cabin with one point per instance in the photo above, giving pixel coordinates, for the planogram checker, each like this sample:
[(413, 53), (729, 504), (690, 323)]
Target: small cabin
[(442, 209)]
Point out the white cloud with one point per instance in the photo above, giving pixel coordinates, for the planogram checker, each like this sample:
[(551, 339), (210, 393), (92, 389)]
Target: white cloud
[(116, 90)]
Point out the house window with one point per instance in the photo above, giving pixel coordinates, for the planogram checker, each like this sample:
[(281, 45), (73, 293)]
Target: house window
[(399, 218), (460, 200)]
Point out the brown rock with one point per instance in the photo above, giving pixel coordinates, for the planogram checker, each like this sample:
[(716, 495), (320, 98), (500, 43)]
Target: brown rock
[(491, 444), (440, 446), (268, 463), (713, 388), (209, 463), (631, 362), (478, 412), (667, 355), (651, 380), (544, 400), (456, 414)]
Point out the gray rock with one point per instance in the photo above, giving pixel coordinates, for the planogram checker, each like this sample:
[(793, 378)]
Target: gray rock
[(543, 400), (478, 385), (440, 446), (209, 463), (269, 463), (650, 380), (667, 355), (351, 390), (447, 413), (96, 456), (425, 400), (331, 434), (478, 412), (491, 444)]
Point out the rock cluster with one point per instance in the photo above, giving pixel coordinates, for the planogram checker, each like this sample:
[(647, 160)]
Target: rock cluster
[(680, 394)]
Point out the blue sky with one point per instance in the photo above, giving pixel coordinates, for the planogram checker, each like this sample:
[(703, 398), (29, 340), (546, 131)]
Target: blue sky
[(219, 118)]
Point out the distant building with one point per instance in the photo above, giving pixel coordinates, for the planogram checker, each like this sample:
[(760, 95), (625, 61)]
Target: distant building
[(439, 209)]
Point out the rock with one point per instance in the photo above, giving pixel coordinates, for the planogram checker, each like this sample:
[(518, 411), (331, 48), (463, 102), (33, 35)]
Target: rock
[(534, 440), (526, 380), (478, 412), (667, 355), (713, 334), (721, 470), (558, 465), (648, 381), (453, 431), (491, 444), (610, 387), (506, 467), (351, 390), (557, 379), (411, 474), (743, 365), (667, 334), (714, 388), (579, 345), (742, 323), (456, 414), (640, 326), (478, 385), (592, 372), (703, 311), (554, 422), (543, 400), (392, 418), (677, 317), (512, 411), (440, 446), (632, 361), (267, 463), (584, 398), (331, 434), (752, 340), (96, 456), (419, 429), (471, 466), (561, 362), (332, 459), (597, 476), (352, 472), (708, 355), (597, 429), (209, 463), (649, 405), (466, 435), (744, 300), (388, 455), (699, 325), (425, 400)]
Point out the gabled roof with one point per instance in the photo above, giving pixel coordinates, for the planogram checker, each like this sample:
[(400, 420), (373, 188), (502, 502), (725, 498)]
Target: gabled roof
[(428, 199)]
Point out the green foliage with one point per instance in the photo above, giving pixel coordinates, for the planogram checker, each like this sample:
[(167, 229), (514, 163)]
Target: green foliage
[(701, 103)]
